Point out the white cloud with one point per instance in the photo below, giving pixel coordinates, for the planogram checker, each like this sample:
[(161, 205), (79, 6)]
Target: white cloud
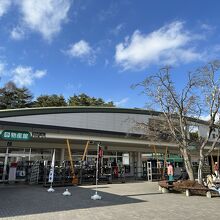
[(74, 87), (205, 118), (167, 45), (44, 16), (2, 68), (109, 12), (117, 29), (80, 49), (83, 51), (25, 75), (39, 74), (121, 102), (4, 6), (17, 33), (207, 27), (216, 48)]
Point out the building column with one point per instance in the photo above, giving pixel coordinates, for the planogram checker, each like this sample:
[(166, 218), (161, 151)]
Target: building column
[(5, 165), (62, 155), (29, 156), (131, 162), (139, 164)]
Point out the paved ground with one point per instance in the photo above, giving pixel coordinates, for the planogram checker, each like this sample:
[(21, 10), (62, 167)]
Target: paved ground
[(140, 200)]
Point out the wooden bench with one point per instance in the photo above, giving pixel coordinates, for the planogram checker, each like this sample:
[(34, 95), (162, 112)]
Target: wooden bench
[(166, 186), (208, 192)]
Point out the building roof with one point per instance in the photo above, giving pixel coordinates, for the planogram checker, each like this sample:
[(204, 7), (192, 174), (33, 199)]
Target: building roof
[(81, 109), (73, 109)]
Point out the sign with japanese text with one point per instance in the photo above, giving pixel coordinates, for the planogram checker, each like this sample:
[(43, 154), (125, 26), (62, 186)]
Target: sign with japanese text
[(38, 135), (16, 135)]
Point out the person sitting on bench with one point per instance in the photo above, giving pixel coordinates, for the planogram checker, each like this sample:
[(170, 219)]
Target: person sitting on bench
[(183, 176), (210, 183)]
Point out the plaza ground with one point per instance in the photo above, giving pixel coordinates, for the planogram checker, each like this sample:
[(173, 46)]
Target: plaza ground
[(140, 200)]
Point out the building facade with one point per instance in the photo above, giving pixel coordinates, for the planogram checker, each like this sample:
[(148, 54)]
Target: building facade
[(29, 137)]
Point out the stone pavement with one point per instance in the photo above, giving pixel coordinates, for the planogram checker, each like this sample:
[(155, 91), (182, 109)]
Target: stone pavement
[(140, 200)]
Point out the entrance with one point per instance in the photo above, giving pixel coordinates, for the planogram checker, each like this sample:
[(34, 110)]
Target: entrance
[(16, 163)]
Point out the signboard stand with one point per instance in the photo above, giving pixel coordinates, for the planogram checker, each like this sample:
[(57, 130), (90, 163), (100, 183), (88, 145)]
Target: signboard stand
[(51, 174), (51, 189), (96, 196)]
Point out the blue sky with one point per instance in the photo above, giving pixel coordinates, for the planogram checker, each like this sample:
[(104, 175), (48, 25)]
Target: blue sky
[(102, 47)]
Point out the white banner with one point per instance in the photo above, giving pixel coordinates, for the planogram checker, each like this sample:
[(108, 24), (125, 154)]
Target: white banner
[(125, 159), (51, 174)]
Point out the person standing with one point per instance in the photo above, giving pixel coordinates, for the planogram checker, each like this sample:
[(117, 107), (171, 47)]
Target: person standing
[(216, 170), (170, 172)]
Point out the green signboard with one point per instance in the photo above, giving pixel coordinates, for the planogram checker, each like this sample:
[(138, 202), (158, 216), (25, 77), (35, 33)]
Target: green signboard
[(174, 158), (15, 135)]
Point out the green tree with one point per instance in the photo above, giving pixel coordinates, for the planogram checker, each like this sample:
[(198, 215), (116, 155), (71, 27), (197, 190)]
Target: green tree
[(24, 98), (85, 100), (50, 101), (12, 97)]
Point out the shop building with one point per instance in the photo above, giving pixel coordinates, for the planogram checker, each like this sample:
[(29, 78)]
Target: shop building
[(29, 137)]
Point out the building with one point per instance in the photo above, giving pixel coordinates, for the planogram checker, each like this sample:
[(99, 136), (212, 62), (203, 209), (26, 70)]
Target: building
[(29, 137)]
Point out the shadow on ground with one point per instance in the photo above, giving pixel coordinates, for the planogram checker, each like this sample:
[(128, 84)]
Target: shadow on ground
[(27, 200)]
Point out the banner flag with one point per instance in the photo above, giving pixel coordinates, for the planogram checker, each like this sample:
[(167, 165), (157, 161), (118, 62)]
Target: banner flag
[(51, 174), (100, 152)]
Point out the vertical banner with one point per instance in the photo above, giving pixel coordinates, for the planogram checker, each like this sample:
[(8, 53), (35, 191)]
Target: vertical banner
[(51, 174), (100, 152), (125, 159)]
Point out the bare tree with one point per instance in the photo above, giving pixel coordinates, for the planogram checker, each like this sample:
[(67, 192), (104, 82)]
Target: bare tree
[(175, 106), (181, 108), (210, 99)]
